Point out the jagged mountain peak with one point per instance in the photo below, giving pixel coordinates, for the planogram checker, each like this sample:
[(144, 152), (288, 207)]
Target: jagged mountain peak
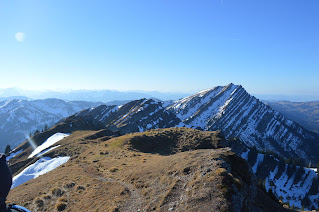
[(190, 108), (236, 113)]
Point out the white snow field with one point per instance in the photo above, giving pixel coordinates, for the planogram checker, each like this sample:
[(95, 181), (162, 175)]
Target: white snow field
[(40, 167), (48, 143)]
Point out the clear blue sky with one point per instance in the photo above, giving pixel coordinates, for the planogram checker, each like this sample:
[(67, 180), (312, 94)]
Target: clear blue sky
[(268, 46)]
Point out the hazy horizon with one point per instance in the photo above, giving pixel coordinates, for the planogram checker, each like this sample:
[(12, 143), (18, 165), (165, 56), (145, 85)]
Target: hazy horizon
[(266, 97)]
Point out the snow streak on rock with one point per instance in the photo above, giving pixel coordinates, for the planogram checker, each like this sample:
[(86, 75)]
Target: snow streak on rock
[(294, 184), (237, 114), (135, 116), (227, 108)]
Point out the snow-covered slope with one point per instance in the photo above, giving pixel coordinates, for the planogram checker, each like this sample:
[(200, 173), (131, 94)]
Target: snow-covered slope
[(20, 117), (237, 114), (294, 184)]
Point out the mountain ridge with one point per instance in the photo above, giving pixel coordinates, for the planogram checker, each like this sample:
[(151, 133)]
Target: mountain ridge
[(304, 113), (119, 173), (91, 95), (227, 108), (19, 118)]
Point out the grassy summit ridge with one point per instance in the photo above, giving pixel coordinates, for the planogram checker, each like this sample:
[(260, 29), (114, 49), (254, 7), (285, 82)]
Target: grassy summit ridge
[(177, 169)]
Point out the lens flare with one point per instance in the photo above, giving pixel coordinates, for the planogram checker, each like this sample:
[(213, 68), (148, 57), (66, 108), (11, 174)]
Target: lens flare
[(32, 142)]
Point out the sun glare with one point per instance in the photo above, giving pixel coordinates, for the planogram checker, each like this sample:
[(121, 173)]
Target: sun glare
[(32, 142)]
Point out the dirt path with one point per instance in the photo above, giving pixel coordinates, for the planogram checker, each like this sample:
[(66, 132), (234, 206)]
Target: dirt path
[(136, 200)]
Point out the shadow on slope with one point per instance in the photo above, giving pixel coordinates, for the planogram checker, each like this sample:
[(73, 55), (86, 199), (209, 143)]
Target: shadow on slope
[(173, 140)]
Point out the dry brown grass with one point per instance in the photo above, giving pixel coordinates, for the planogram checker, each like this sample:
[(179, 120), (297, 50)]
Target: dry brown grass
[(60, 206), (113, 169), (124, 179), (58, 192), (63, 199)]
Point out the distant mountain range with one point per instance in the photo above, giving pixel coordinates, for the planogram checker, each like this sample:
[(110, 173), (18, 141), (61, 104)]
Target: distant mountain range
[(304, 113), (19, 118), (292, 98), (88, 95)]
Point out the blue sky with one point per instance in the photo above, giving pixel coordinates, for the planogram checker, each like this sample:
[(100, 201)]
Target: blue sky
[(268, 46)]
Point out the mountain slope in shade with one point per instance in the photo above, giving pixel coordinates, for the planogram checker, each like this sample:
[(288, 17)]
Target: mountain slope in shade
[(296, 185), (237, 114), (20, 117), (304, 113), (135, 116)]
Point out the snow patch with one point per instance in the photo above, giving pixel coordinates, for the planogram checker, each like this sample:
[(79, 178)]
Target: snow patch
[(49, 142), (290, 192), (260, 159), (313, 169), (244, 155), (40, 167), (140, 129)]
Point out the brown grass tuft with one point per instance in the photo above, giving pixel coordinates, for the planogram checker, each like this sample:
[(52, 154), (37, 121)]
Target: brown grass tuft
[(113, 169), (47, 197), (39, 202), (80, 188), (69, 185), (63, 199), (57, 192), (60, 206)]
